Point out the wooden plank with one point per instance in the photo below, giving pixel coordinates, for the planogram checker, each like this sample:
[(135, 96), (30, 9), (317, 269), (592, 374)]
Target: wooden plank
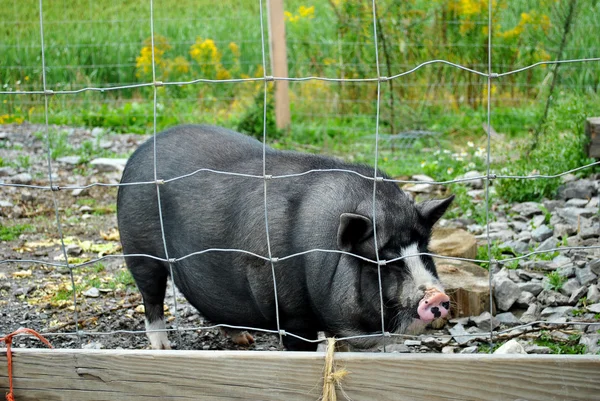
[(84, 375), (592, 130), (279, 63)]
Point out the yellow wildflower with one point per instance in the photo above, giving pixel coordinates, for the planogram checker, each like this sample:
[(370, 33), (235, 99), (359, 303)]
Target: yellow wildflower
[(181, 65), (222, 73), (306, 12), (235, 49)]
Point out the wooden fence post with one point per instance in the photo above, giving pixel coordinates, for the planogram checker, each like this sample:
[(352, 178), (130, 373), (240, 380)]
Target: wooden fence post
[(279, 62), (592, 130)]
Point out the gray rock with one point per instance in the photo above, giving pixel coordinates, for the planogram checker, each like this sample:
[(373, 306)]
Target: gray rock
[(98, 131), (532, 314), (529, 275), (593, 294), (561, 260), (4, 203), (594, 265), (578, 189), (527, 209), (73, 250), (476, 183), (106, 165), (507, 319), (460, 335), (477, 334), (422, 177), (577, 295), (576, 202), (552, 298), (538, 265), (518, 247), (412, 343), (532, 287), (567, 270), (572, 215), (499, 226), (7, 171), (541, 233), (510, 347), (538, 220), (591, 342), (585, 275), (590, 232), (548, 244), (525, 299), (419, 188), (475, 229), (564, 230), (506, 292), (449, 350), (569, 287), (469, 350), (537, 349), (23, 178), (503, 235), (483, 321), (92, 293), (594, 202), (552, 205), (69, 160), (556, 312), (436, 342), (594, 308), (519, 225), (396, 348)]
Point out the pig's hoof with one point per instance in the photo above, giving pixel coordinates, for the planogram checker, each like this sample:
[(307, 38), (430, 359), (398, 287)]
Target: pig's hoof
[(239, 337)]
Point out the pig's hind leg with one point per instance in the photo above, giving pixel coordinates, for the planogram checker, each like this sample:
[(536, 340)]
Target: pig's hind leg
[(151, 279)]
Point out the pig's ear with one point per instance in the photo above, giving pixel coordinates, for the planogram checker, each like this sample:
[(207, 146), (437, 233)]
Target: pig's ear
[(353, 230), (431, 211)]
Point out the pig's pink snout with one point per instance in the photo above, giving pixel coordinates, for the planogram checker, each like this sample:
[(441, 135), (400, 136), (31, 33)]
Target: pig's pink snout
[(434, 304)]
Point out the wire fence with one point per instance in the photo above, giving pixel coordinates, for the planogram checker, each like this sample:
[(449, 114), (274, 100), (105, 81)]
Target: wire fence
[(489, 74)]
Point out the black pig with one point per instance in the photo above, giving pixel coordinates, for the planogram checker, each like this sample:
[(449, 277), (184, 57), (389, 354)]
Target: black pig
[(327, 210)]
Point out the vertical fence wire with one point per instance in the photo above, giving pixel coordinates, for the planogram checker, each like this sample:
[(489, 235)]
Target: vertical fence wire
[(55, 200), (155, 169), (488, 167), (264, 167), (376, 162)]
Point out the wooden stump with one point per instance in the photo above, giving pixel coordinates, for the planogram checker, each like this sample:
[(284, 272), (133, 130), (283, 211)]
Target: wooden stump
[(592, 130), (467, 286)]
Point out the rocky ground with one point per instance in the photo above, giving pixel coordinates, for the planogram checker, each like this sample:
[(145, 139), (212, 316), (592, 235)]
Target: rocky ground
[(553, 287)]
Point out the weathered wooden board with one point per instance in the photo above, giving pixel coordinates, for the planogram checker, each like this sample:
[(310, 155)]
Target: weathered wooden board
[(237, 375), (592, 129)]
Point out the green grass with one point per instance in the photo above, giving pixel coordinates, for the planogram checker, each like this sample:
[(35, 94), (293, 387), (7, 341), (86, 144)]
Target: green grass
[(11, 233), (556, 280), (571, 346)]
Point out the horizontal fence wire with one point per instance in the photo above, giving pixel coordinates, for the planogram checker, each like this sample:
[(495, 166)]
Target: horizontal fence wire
[(270, 78), (272, 259)]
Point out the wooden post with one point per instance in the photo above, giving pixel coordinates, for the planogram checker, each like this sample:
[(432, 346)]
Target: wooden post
[(592, 130), (279, 62)]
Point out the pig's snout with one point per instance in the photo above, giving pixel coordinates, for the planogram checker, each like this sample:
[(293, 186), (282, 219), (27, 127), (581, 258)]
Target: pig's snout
[(435, 304)]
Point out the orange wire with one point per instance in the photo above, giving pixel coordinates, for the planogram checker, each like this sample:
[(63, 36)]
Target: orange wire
[(8, 340)]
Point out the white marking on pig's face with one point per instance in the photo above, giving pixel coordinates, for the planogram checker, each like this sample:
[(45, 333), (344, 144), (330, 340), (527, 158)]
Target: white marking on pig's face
[(419, 278), (158, 339)]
